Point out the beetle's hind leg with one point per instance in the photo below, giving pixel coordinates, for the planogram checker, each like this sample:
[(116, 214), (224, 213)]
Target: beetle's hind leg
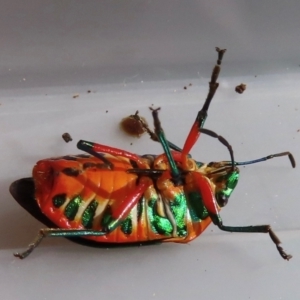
[(259, 229), (57, 232), (209, 201), (31, 246), (118, 215)]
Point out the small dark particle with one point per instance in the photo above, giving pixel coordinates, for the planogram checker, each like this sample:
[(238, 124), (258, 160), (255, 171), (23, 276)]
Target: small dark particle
[(107, 111), (298, 130), (67, 137), (89, 91), (72, 172), (255, 76), (190, 84), (130, 143), (83, 156), (184, 87), (240, 88), (75, 96), (134, 125), (69, 157), (99, 166)]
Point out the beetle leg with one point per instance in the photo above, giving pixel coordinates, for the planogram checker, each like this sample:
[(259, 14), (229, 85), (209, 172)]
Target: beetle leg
[(57, 232), (116, 218), (152, 134), (171, 218), (175, 173), (122, 209), (202, 114), (256, 228), (210, 203), (222, 140), (290, 155), (94, 149)]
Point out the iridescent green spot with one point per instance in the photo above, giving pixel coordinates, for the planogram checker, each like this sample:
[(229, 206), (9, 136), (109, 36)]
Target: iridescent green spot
[(88, 215), (72, 208), (197, 209), (169, 225), (126, 226), (107, 217), (230, 180), (199, 164), (59, 200), (178, 207)]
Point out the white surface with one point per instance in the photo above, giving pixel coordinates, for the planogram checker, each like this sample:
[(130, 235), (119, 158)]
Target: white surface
[(40, 73)]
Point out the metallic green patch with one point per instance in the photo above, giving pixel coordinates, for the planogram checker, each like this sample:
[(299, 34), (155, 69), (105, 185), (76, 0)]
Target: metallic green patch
[(160, 225), (231, 180), (72, 208), (199, 164), (107, 218), (126, 226), (163, 225), (197, 209), (178, 207), (59, 200), (88, 215)]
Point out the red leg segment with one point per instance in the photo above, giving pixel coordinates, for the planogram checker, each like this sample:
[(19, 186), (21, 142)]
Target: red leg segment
[(208, 197), (98, 148)]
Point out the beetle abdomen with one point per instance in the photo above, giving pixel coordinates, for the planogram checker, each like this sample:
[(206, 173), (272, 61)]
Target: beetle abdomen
[(80, 192)]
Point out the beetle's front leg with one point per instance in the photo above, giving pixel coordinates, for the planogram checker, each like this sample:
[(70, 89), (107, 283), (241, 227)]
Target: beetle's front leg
[(202, 114)]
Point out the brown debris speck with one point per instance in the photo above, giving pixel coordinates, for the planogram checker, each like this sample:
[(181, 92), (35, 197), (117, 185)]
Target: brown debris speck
[(133, 125), (67, 137), (75, 96), (240, 88)]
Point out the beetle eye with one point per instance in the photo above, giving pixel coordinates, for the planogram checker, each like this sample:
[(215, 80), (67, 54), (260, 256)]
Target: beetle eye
[(222, 199)]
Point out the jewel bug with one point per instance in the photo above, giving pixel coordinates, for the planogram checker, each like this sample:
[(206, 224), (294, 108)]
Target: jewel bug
[(112, 196)]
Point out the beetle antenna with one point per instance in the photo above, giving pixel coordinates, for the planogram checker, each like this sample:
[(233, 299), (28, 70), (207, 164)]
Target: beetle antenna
[(254, 161), (223, 141)]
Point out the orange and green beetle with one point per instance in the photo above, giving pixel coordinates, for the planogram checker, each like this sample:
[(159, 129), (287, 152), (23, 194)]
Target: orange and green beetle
[(112, 196)]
